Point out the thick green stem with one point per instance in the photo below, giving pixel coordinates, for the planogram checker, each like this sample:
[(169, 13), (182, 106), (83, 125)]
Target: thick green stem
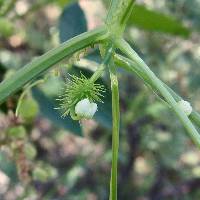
[(125, 48), (115, 131), (44, 62), (131, 66), (118, 14)]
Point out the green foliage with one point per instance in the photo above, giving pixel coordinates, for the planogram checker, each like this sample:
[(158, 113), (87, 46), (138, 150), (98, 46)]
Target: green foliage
[(17, 132), (155, 21), (40, 174), (72, 22), (8, 167), (42, 150), (41, 64), (47, 108), (6, 27), (44, 172), (30, 151)]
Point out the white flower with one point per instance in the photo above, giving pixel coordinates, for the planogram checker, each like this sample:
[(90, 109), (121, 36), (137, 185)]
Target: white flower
[(185, 107), (85, 108)]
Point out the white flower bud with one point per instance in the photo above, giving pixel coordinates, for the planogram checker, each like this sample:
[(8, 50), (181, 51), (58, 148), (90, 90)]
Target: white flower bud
[(185, 107), (85, 108)]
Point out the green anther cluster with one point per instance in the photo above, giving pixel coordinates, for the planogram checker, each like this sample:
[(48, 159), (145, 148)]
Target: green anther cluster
[(76, 89)]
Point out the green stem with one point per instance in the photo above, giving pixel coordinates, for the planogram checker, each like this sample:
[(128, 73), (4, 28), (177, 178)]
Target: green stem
[(125, 48), (117, 17), (44, 62), (98, 73), (131, 66), (115, 131), (24, 94)]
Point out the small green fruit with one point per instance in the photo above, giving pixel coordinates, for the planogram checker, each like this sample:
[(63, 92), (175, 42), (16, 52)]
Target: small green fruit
[(28, 109)]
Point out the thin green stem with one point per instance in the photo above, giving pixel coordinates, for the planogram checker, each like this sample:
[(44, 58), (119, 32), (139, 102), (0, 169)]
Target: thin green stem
[(24, 94), (98, 73), (125, 48), (44, 62), (115, 131)]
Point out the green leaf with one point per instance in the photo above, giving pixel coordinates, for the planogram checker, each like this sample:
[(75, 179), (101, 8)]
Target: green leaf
[(8, 167), (104, 114), (155, 21), (72, 22), (6, 27)]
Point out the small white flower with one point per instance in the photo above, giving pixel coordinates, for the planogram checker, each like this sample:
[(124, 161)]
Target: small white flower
[(185, 107), (85, 108)]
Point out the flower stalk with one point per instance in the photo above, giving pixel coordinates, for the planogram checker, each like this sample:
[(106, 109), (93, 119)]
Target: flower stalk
[(108, 55), (115, 130)]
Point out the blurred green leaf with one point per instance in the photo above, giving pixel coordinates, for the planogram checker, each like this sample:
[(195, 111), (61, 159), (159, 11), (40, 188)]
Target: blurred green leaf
[(155, 21), (44, 172), (156, 109), (72, 22), (35, 38), (6, 27), (30, 151), (52, 86), (73, 175), (47, 107), (40, 174), (8, 167), (17, 132)]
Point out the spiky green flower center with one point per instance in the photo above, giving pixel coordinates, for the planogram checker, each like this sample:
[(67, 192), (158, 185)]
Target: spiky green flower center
[(76, 89)]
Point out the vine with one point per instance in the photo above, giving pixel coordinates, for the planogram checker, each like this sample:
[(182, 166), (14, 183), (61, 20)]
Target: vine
[(81, 95)]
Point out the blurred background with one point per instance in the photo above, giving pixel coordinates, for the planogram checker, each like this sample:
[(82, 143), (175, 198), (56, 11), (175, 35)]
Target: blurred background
[(45, 157)]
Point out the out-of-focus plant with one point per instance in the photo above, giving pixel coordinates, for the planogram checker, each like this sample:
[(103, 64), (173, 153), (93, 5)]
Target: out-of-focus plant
[(81, 94)]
